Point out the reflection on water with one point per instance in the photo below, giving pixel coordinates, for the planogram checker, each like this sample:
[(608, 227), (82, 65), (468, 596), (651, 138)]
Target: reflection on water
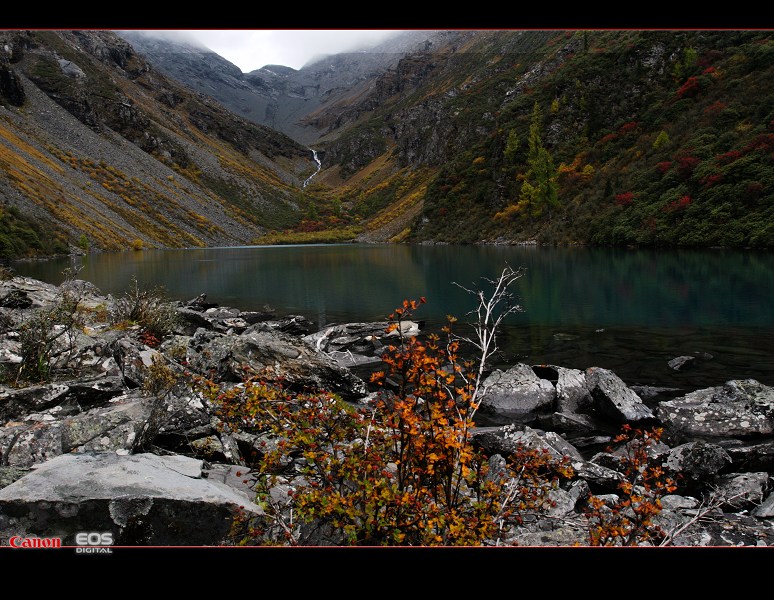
[(650, 305)]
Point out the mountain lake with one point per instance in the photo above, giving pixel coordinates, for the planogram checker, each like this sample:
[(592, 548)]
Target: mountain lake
[(630, 311)]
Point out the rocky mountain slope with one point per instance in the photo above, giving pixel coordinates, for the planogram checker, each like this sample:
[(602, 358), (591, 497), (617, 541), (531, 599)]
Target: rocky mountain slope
[(657, 138), (647, 138), (100, 150)]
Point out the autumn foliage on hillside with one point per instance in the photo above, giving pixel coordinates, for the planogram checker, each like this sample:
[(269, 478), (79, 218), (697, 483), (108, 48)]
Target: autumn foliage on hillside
[(673, 131)]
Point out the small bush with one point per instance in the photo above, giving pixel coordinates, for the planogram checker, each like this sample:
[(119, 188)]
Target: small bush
[(399, 470), (629, 521), (160, 379), (147, 308), (49, 335)]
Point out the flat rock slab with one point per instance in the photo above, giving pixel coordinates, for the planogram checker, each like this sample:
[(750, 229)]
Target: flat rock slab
[(144, 499)]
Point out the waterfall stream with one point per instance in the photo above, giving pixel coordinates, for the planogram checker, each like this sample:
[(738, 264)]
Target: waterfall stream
[(319, 166)]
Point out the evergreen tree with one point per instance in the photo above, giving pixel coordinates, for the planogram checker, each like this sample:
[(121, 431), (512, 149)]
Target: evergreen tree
[(511, 147), (540, 188)]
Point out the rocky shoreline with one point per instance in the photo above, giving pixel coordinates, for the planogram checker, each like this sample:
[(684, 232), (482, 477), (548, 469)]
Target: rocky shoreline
[(119, 440)]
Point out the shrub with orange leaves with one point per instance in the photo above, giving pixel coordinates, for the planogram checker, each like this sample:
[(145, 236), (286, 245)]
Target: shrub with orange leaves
[(400, 469), (628, 521)]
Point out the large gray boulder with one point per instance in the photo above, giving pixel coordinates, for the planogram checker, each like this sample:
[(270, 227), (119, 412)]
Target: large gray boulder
[(517, 395), (143, 499), (612, 397), (739, 409), (572, 392)]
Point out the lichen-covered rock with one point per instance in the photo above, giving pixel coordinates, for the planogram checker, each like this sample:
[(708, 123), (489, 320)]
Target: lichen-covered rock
[(622, 458), (739, 409), (697, 461), (681, 362), (738, 491), (508, 439), (123, 424), (134, 359), (750, 455), (715, 529), (272, 355), (87, 392), (766, 509), (573, 423), (572, 392), (355, 344)]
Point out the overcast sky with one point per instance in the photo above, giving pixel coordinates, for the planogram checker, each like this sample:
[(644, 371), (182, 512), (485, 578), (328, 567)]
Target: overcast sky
[(253, 49)]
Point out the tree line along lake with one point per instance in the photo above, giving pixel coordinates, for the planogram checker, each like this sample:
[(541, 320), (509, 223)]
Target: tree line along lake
[(630, 311)]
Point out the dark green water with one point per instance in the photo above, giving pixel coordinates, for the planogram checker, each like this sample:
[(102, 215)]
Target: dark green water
[(627, 310)]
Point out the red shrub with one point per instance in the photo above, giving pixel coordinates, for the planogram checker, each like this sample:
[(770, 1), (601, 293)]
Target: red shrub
[(715, 108), (678, 204), (764, 142), (608, 138), (690, 88), (711, 180), (627, 127), (728, 157), (624, 199), (686, 165), (664, 166)]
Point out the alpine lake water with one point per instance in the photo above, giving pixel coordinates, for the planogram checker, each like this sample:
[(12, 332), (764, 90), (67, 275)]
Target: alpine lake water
[(630, 311)]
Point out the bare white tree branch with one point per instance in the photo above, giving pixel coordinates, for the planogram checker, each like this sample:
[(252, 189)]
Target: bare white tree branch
[(492, 309)]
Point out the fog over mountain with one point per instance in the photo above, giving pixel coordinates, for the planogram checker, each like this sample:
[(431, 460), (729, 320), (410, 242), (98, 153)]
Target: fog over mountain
[(277, 96)]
